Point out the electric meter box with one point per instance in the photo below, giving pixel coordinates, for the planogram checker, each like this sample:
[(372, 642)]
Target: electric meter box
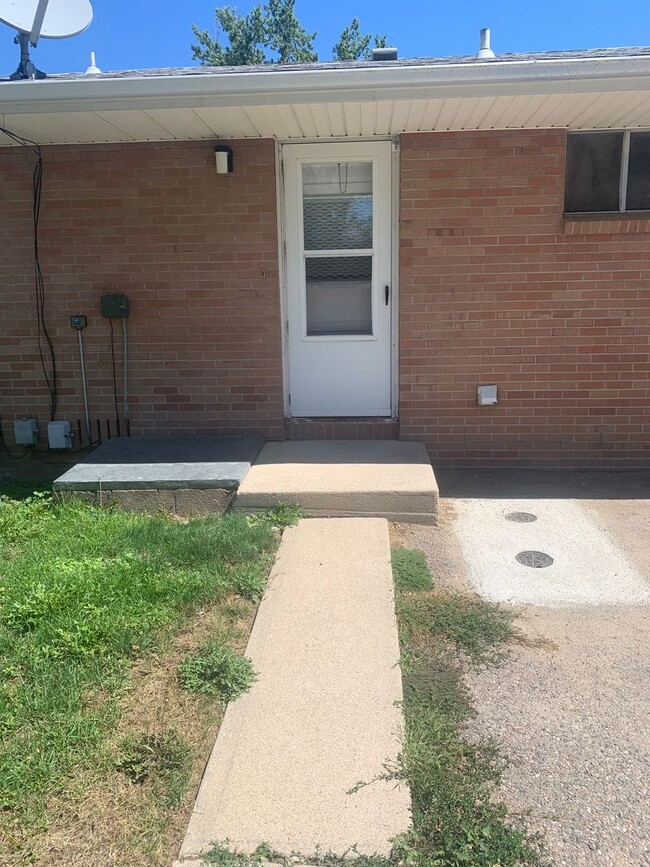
[(25, 431), (114, 306)]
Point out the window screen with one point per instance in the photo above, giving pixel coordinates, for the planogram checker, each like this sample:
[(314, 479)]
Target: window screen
[(593, 172), (638, 178)]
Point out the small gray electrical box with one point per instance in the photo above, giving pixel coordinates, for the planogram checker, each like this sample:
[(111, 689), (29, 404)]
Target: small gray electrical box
[(26, 432), (486, 395), (59, 435), (114, 306)]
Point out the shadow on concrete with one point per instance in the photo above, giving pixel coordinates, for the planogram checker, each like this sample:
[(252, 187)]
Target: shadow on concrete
[(206, 448), (543, 484)]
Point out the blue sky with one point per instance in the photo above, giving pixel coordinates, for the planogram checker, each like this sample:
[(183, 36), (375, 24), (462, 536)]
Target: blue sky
[(127, 34)]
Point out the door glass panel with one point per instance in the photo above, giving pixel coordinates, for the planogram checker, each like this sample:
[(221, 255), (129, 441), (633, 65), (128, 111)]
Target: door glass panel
[(337, 206), (339, 295)]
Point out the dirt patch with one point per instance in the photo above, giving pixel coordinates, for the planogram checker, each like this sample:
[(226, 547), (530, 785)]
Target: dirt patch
[(103, 819), (570, 710), (569, 707)]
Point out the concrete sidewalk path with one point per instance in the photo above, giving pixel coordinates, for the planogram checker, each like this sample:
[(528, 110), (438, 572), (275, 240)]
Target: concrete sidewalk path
[(323, 714)]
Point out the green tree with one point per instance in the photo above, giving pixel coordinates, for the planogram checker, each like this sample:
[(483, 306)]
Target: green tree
[(245, 33), (271, 33), (354, 45), (270, 27), (286, 36)]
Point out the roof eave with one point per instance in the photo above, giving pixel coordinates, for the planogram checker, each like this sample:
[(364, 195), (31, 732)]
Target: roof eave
[(490, 78)]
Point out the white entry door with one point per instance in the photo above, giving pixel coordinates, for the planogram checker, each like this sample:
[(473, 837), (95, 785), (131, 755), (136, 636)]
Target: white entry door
[(338, 276)]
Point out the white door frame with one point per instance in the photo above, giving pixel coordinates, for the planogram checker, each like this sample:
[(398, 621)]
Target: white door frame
[(282, 263)]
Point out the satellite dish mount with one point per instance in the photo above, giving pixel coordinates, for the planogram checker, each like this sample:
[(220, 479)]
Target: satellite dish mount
[(51, 19), (26, 68)]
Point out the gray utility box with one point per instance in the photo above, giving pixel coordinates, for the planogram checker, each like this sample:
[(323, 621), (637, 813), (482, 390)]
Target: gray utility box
[(25, 431), (59, 435)]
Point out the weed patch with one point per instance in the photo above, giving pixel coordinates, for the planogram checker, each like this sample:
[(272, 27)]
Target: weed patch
[(161, 760), (218, 671), (279, 517), (478, 629), (410, 570), (222, 855), (457, 818)]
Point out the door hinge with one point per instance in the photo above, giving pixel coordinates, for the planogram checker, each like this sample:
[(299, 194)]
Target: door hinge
[(286, 326)]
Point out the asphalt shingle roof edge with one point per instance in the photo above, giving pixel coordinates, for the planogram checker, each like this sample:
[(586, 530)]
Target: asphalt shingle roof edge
[(408, 62)]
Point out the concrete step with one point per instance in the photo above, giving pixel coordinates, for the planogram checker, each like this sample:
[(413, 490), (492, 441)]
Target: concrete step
[(382, 478), (324, 713), (186, 475)]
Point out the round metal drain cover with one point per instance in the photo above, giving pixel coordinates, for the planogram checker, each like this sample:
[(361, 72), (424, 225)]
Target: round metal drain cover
[(521, 517), (535, 559)]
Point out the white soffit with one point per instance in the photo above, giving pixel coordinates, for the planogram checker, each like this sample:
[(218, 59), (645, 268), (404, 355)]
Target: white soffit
[(330, 102)]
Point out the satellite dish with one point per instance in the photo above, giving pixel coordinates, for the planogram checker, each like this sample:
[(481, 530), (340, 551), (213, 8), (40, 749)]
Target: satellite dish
[(51, 19)]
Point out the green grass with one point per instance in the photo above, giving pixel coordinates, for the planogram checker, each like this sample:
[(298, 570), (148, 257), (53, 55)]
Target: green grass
[(410, 570), (458, 820), (83, 592)]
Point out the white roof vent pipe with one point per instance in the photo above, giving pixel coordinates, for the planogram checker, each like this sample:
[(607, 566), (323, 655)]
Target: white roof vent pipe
[(93, 69), (485, 51)]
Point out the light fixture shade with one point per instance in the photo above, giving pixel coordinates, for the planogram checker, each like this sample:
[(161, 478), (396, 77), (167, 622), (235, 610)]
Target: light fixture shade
[(223, 158)]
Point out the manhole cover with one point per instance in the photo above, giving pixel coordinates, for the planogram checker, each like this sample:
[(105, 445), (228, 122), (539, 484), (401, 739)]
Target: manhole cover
[(536, 559), (521, 517)]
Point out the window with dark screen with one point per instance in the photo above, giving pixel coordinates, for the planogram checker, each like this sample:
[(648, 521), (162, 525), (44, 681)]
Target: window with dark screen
[(593, 172), (607, 172), (638, 176)]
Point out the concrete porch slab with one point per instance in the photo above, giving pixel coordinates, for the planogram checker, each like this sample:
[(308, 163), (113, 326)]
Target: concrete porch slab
[(323, 714), (367, 478), (164, 463), (185, 475)]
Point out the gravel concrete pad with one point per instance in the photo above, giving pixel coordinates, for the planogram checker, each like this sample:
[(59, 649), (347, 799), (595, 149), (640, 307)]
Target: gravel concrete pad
[(322, 715), (382, 478), (571, 712), (588, 565)]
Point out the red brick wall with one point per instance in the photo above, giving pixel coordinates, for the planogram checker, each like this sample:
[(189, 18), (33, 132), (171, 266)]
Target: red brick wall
[(496, 288), (195, 251)]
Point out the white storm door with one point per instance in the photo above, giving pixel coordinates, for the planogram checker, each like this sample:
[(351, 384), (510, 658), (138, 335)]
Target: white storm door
[(338, 278)]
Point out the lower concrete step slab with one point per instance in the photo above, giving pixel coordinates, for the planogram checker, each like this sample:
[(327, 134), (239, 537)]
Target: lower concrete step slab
[(382, 478), (324, 713), (187, 475)]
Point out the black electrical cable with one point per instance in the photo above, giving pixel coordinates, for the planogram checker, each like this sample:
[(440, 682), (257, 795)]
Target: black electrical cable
[(39, 283), (117, 414), (5, 448)]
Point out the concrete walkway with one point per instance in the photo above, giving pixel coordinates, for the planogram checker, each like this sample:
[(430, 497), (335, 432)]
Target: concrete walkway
[(323, 714)]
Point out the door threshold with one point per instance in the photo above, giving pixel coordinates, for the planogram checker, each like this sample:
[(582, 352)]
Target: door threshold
[(334, 419)]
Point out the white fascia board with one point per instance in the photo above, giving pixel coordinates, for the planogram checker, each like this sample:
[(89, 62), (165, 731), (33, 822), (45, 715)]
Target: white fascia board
[(277, 87)]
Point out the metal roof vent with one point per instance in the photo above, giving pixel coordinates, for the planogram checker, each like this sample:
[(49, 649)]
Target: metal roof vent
[(485, 51), (384, 53), (93, 69)]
